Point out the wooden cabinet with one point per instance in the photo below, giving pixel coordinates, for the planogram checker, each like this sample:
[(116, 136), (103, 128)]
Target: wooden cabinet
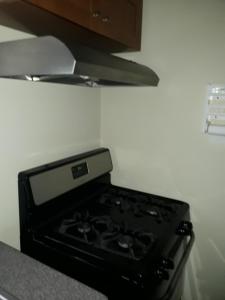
[(118, 20), (77, 11)]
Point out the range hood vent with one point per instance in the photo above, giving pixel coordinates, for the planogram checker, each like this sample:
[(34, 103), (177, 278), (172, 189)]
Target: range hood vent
[(48, 59)]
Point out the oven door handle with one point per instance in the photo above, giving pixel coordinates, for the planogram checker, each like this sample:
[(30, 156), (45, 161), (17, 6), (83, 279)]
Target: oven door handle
[(180, 268)]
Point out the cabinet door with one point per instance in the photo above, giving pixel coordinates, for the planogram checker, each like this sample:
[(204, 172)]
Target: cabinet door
[(106, 18), (118, 19), (131, 20), (76, 11)]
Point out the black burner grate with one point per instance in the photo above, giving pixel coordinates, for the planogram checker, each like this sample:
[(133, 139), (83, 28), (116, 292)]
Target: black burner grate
[(102, 232)]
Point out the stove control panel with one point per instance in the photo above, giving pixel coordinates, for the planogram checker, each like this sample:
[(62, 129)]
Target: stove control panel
[(80, 170)]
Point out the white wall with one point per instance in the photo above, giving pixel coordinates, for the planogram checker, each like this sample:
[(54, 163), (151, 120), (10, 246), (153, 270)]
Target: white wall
[(156, 134), (39, 123)]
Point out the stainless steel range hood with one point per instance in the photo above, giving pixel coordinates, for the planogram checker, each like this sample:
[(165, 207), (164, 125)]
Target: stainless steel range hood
[(49, 59)]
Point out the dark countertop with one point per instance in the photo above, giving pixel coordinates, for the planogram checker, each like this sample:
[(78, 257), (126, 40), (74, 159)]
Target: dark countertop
[(28, 279)]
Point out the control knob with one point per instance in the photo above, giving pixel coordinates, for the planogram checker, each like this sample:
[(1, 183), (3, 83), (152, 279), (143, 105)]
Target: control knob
[(167, 263), (161, 274), (184, 228)]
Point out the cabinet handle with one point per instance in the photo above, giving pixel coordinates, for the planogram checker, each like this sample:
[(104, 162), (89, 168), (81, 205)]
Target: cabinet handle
[(105, 19), (96, 14)]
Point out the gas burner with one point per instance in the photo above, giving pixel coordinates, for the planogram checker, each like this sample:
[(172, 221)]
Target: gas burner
[(84, 227), (118, 201), (88, 228), (125, 242), (158, 212), (78, 225), (131, 244), (152, 212)]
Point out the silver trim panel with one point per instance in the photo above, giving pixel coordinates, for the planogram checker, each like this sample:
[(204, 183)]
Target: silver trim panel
[(55, 182)]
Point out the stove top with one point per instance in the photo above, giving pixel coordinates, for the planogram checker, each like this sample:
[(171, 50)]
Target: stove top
[(119, 221), (102, 232)]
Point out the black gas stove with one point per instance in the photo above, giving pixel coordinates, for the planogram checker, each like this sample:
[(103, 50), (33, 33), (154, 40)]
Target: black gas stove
[(122, 242)]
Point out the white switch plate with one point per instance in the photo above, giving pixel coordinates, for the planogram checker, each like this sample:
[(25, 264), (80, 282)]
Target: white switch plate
[(215, 112)]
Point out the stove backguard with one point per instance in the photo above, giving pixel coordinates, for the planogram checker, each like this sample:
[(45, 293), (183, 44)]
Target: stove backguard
[(40, 197)]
